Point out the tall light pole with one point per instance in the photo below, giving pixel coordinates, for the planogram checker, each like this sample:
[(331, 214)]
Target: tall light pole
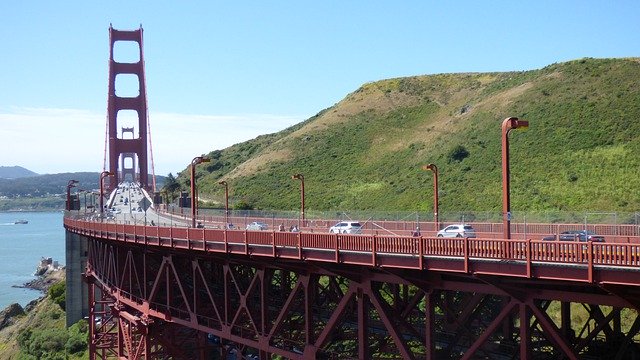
[(434, 169), (85, 198), (194, 202), (72, 183), (507, 125), (103, 175), (301, 178), (226, 202), (93, 201)]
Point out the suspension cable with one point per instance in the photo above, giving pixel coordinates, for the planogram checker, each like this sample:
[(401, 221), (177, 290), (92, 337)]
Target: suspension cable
[(153, 171), (106, 137)]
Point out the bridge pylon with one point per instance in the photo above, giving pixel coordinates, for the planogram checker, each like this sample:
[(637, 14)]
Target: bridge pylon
[(119, 147)]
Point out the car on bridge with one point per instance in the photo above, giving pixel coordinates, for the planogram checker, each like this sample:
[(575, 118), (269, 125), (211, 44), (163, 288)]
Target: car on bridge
[(457, 230), (573, 235), (346, 227), (257, 226)]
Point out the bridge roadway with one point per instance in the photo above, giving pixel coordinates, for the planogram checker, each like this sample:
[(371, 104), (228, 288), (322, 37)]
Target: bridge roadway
[(603, 263), (594, 273)]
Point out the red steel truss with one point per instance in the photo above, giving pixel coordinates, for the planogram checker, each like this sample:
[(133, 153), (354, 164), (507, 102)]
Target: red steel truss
[(210, 293)]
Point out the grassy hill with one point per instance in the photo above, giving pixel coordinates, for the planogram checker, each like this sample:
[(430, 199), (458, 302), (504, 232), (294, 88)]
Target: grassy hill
[(580, 152), (40, 333)]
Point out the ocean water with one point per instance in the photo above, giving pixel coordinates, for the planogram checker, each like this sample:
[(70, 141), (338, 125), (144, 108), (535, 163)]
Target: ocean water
[(21, 248)]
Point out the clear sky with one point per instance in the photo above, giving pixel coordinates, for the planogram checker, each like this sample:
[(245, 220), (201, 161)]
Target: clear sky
[(219, 73)]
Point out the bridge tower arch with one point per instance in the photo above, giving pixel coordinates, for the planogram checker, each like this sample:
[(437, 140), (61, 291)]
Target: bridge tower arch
[(128, 160), (135, 148)]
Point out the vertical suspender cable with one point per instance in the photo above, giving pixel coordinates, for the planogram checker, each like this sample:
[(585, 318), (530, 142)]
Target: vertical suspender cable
[(106, 138), (144, 88), (153, 170)]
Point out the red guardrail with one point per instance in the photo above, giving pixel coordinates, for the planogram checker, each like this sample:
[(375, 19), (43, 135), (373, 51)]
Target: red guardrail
[(374, 250)]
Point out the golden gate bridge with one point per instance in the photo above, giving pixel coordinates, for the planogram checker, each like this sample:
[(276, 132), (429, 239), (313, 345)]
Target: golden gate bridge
[(168, 289)]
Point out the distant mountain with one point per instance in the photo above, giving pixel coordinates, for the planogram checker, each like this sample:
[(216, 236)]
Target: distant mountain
[(51, 184), (47, 192), (15, 172)]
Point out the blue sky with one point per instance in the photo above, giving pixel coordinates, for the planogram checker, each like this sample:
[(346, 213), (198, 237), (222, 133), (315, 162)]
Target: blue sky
[(219, 73)]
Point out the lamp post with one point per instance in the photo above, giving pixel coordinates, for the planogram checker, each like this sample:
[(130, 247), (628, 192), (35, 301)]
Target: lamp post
[(507, 125), (93, 201), (103, 175), (194, 202), (434, 169), (83, 191), (226, 202), (301, 178), (72, 183)]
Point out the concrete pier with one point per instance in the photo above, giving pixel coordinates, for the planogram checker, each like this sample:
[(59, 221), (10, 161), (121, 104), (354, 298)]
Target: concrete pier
[(77, 298)]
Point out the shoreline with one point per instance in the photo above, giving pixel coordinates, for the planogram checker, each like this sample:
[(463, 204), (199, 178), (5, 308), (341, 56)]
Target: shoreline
[(43, 282)]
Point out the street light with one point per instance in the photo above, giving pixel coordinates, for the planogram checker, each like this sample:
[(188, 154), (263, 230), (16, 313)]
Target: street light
[(507, 125), (226, 202), (72, 183), (85, 198), (301, 178), (103, 175), (434, 169), (194, 203), (94, 195)]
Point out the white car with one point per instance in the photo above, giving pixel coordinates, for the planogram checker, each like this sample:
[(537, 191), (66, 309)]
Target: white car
[(457, 230), (346, 227), (257, 226)]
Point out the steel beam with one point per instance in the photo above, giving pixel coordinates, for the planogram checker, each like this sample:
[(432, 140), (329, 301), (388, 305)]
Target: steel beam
[(297, 309)]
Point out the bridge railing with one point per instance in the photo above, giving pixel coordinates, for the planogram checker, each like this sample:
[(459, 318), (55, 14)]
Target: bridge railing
[(614, 225), (620, 233), (374, 250)]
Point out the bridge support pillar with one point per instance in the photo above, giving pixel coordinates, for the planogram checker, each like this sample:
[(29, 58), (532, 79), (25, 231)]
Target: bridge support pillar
[(363, 322), (429, 314), (77, 302), (565, 320), (525, 333)]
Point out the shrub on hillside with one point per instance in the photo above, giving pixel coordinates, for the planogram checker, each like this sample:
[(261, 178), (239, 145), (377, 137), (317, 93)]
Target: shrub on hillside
[(243, 205), (57, 293), (43, 344), (52, 344), (458, 153), (78, 335)]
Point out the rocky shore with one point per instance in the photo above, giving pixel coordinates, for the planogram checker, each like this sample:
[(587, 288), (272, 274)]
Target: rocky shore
[(44, 282), (8, 315), (48, 274)]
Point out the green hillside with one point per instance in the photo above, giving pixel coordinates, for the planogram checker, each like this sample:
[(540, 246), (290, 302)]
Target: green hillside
[(580, 152), (40, 333)]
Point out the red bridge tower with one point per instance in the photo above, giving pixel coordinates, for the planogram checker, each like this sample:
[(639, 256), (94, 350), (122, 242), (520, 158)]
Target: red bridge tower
[(119, 147)]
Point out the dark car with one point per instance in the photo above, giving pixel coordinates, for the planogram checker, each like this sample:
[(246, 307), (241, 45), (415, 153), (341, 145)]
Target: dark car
[(580, 235)]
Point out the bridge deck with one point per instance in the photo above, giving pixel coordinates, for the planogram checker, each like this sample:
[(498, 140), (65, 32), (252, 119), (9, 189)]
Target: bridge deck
[(606, 263)]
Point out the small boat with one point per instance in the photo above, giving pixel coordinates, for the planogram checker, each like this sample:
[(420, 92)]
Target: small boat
[(21, 222)]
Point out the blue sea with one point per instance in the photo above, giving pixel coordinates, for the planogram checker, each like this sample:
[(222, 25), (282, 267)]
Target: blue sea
[(21, 248)]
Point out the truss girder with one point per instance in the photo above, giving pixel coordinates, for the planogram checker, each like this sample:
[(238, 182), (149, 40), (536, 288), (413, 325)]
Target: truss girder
[(183, 305)]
